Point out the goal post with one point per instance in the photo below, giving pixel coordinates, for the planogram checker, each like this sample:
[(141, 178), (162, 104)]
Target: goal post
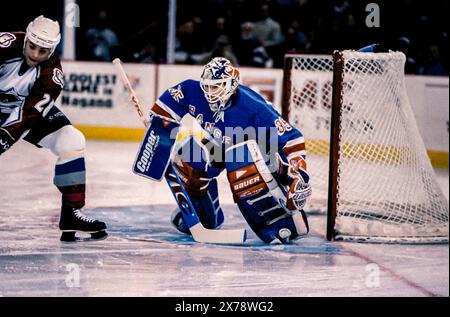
[(368, 163), (335, 138), (306, 104)]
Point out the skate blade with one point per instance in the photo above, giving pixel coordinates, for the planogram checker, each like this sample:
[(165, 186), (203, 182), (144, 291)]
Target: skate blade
[(95, 236)]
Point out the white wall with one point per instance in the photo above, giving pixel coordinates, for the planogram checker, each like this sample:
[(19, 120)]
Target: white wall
[(429, 98), (94, 95)]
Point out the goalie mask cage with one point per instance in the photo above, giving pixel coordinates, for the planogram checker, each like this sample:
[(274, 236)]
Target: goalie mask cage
[(368, 164)]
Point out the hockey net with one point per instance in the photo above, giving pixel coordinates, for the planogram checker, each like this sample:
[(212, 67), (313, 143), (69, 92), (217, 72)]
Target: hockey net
[(378, 184)]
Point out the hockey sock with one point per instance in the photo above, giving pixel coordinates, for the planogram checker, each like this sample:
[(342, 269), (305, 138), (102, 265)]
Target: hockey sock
[(70, 178)]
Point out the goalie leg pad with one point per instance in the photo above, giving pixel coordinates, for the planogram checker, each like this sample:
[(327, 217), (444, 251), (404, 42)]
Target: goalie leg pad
[(259, 197), (207, 208), (200, 184)]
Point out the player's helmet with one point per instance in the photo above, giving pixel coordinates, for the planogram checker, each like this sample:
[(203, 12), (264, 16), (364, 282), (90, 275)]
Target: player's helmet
[(219, 81), (44, 32)]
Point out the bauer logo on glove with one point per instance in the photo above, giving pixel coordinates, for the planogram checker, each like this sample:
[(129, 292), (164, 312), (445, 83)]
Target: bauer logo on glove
[(299, 187), (297, 195)]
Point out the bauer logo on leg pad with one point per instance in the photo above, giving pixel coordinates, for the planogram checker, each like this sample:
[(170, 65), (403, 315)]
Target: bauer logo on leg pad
[(245, 178)]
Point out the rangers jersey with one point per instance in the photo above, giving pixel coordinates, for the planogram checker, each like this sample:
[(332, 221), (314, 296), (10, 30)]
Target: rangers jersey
[(250, 115)]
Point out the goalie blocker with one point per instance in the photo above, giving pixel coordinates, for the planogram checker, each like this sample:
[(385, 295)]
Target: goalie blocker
[(154, 154)]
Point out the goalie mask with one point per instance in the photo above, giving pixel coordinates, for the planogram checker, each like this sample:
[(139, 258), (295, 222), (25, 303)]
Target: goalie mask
[(44, 33), (219, 81)]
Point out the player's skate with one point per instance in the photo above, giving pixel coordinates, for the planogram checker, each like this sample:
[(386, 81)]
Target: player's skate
[(72, 220)]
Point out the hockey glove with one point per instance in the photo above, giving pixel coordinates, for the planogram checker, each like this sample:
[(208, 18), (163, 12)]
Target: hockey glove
[(6, 141), (299, 188)]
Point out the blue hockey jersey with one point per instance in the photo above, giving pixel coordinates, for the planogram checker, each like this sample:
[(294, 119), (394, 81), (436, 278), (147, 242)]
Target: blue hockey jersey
[(249, 117)]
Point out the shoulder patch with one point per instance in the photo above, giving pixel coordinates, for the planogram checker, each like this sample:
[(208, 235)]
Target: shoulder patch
[(58, 77), (176, 94), (6, 39)]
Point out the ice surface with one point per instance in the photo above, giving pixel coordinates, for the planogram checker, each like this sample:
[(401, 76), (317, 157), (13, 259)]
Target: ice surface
[(145, 256)]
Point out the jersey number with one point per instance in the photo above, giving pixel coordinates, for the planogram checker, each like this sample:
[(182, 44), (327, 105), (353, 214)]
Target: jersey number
[(282, 126), (41, 105)]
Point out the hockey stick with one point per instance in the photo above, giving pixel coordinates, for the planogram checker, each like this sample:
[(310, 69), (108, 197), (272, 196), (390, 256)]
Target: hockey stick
[(198, 231), (117, 62)]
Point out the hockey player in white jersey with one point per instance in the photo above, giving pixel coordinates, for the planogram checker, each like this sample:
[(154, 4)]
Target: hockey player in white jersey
[(263, 155), (31, 79)]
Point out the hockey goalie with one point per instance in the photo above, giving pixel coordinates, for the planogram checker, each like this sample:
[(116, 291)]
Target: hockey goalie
[(263, 156)]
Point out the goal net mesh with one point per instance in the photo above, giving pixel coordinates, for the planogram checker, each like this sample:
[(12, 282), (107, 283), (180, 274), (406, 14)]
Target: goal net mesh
[(386, 187)]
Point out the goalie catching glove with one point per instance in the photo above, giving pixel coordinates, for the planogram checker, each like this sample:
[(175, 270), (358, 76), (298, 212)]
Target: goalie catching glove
[(299, 188)]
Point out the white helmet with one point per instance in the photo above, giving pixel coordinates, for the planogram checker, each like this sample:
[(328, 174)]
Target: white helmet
[(44, 32), (219, 81)]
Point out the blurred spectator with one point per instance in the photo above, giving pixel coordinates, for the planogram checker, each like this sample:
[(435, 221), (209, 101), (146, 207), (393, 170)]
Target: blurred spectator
[(212, 34), (341, 9), (222, 48), (433, 65), (147, 55), (251, 52), (101, 40), (403, 45), (190, 41), (267, 30), (316, 26), (443, 48), (343, 25), (295, 38)]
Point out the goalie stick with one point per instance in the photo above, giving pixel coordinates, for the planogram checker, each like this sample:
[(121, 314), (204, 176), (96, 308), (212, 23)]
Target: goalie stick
[(198, 231), (117, 62)]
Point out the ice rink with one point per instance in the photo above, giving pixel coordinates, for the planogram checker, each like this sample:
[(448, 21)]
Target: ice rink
[(145, 256)]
